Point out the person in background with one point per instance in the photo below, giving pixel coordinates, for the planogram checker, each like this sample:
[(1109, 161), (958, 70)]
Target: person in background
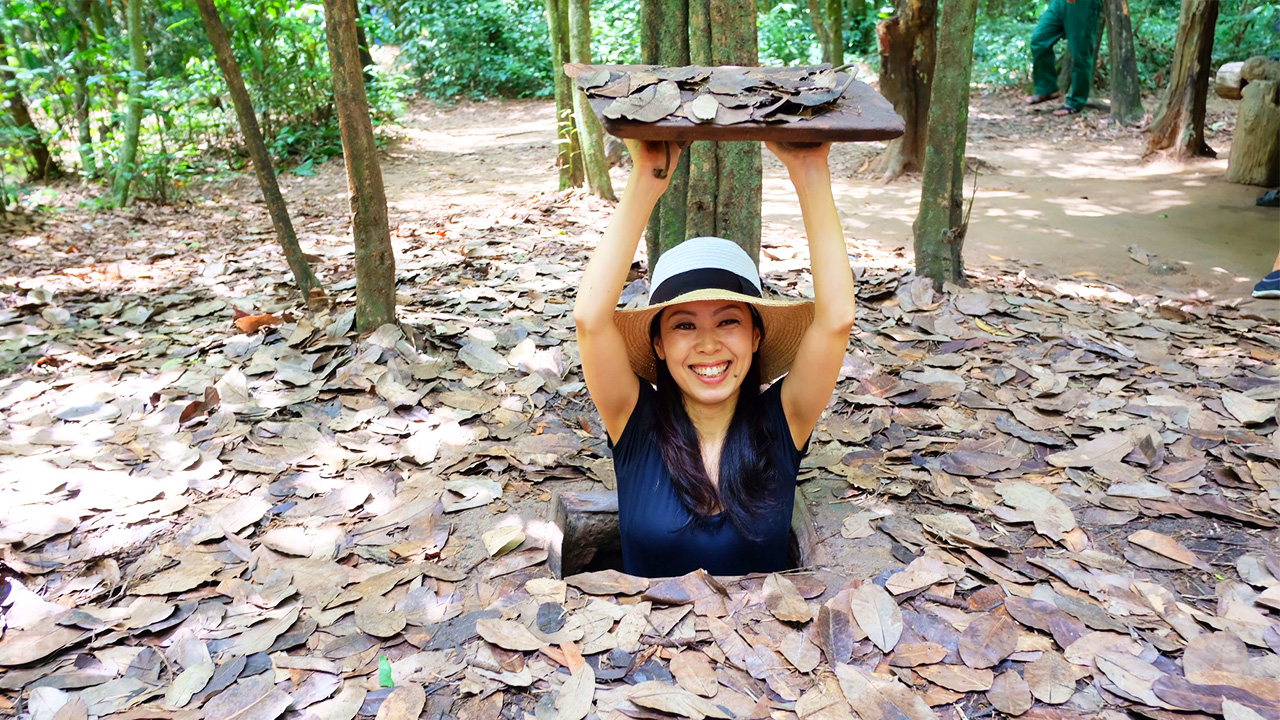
[(1269, 286), (1077, 21)]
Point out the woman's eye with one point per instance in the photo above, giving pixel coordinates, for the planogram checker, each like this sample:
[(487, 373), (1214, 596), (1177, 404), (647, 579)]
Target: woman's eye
[(684, 326), (730, 321)]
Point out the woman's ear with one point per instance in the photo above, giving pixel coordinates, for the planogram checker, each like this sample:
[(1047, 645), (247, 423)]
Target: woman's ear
[(755, 338), (657, 348)]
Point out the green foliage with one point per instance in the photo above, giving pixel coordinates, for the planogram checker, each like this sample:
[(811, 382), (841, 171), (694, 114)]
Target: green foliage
[(473, 48), (1002, 50), (786, 36), (190, 131), (615, 31)]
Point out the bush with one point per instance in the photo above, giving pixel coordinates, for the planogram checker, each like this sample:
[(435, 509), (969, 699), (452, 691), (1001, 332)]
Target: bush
[(475, 48), (786, 36)]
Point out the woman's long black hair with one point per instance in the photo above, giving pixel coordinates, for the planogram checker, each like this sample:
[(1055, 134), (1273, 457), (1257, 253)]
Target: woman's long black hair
[(746, 461)]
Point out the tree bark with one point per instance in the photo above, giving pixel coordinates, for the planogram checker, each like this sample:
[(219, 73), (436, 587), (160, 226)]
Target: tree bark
[(669, 41), (820, 30), (306, 280), (127, 165), (375, 260), (362, 40), (940, 227), (703, 177), (568, 155), (1179, 123), (1126, 95), (1255, 149), (907, 57), (80, 78), (44, 166), (835, 31), (738, 164), (590, 132)]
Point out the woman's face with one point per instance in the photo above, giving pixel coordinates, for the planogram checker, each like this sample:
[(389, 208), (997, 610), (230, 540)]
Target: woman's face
[(707, 346)]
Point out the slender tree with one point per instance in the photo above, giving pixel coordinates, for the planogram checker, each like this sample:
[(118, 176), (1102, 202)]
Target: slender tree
[(738, 164), (127, 165), (307, 282), (827, 17), (81, 63), (43, 165), (590, 132), (1126, 95), (907, 57), (375, 260), (1179, 123), (568, 154), (941, 226)]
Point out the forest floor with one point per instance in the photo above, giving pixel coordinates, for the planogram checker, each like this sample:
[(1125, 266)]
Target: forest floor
[(1053, 494)]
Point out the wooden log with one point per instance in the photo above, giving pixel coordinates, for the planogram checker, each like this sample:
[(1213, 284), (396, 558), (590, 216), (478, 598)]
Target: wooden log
[(588, 525), (1255, 150)]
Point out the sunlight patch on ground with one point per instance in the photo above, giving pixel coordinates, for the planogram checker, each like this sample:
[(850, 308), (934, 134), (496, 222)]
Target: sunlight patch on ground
[(1081, 207)]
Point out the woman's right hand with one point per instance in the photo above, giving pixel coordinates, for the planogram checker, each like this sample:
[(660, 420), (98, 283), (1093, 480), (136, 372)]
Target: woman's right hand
[(653, 161)]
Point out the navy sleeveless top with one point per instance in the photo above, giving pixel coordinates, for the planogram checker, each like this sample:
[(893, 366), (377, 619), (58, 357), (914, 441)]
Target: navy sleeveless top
[(658, 537)]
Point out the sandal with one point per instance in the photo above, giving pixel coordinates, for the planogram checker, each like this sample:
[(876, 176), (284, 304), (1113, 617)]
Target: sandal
[(1037, 99), (1066, 110)]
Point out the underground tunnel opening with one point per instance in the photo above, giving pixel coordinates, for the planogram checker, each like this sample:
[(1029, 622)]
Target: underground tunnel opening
[(588, 537)]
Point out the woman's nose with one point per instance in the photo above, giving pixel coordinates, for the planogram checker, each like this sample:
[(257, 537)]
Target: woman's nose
[(707, 339)]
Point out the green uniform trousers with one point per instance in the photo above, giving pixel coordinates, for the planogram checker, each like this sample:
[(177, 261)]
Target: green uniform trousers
[(1077, 21)]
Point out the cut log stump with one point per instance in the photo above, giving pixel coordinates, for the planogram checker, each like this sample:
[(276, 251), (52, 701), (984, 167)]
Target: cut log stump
[(1255, 150)]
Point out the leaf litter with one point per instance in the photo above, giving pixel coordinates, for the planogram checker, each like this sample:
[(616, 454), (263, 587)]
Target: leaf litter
[(231, 507)]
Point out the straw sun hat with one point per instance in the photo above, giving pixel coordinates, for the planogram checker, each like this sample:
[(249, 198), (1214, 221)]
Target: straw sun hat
[(712, 268)]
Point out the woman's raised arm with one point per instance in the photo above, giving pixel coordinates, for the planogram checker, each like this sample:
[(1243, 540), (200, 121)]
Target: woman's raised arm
[(808, 387), (605, 368)]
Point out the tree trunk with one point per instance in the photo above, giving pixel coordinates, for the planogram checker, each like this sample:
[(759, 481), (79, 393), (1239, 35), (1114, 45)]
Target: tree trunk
[(1179, 123), (44, 166), (907, 58), (738, 164), (940, 227), (375, 260), (568, 156), (1255, 149), (820, 30), (703, 177), (590, 132), (306, 280), (669, 41), (1126, 95), (80, 78), (127, 165), (366, 57), (835, 31)]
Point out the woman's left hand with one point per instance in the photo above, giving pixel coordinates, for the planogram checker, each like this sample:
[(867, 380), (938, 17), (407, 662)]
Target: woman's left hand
[(797, 156)]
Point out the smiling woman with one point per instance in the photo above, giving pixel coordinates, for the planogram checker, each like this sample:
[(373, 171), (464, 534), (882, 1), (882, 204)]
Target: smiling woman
[(706, 460)]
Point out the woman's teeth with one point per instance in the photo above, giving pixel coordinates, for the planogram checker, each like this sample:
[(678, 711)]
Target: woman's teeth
[(711, 370)]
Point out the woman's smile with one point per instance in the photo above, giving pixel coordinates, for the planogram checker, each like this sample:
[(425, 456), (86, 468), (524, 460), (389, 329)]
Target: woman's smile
[(712, 373)]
